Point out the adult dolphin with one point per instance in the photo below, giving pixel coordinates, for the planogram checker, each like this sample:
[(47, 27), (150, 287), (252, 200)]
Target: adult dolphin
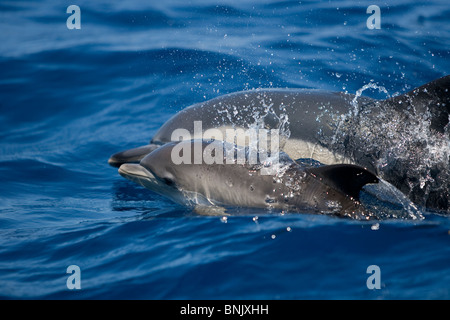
[(405, 139)]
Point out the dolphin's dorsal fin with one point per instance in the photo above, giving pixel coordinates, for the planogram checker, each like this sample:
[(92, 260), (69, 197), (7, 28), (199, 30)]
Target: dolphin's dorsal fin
[(434, 95), (346, 178)]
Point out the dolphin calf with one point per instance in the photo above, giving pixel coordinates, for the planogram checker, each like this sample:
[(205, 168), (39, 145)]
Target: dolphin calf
[(344, 190), (405, 140)]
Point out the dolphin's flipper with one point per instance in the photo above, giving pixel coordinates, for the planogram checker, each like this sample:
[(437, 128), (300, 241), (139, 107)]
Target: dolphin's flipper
[(345, 178), (132, 155)]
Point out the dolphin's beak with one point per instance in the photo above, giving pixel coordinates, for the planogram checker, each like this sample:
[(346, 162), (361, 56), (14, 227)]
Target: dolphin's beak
[(133, 170), (132, 155), (137, 173)]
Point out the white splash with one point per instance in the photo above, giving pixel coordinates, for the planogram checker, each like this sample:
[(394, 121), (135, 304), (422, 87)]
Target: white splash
[(359, 92)]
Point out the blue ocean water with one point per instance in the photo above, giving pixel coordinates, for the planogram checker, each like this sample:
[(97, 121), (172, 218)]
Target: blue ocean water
[(69, 98)]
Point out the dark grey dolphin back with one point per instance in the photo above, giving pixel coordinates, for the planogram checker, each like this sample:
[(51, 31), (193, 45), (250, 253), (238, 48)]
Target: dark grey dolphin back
[(426, 176), (432, 98), (410, 136)]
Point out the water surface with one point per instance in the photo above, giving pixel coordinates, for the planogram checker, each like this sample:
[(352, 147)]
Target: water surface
[(71, 98)]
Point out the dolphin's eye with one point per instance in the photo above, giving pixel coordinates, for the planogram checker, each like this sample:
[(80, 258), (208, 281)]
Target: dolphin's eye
[(169, 182)]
